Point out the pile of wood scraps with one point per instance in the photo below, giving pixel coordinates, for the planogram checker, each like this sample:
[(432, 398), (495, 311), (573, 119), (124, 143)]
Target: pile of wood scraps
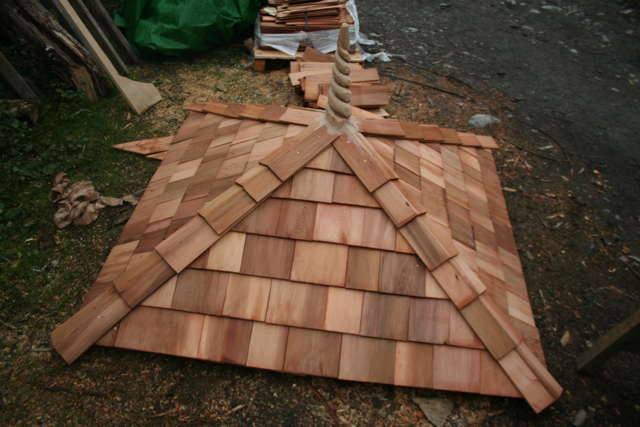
[(312, 74), (290, 16), (298, 16)]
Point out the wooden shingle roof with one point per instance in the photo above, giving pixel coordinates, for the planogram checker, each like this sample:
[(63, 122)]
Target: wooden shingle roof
[(378, 254)]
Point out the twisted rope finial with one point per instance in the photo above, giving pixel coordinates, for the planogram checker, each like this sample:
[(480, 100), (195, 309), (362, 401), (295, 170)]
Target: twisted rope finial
[(339, 108)]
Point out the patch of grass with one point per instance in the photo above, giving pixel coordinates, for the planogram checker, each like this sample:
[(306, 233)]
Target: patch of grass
[(74, 136)]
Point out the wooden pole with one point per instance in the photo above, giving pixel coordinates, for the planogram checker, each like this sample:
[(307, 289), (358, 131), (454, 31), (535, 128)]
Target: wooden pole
[(101, 14), (624, 336), (140, 96), (99, 35), (15, 80)]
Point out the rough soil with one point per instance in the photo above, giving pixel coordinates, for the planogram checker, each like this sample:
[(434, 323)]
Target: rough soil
[(568, 147)]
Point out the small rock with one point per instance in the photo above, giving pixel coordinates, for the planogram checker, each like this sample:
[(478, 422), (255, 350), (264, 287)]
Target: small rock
[(566, 338), (580, 418), (551, 8), (436, 410), (482, 120)]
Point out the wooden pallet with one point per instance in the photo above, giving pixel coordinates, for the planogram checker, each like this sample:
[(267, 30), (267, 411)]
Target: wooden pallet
[(262, 55)]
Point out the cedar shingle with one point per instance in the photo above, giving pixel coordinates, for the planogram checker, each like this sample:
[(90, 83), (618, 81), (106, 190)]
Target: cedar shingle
[(297, 304), (363, 269), (344, 309), (429, 320), (267, 346), (339, 224), (247, 297), (296, 219), (385, 316), (414, 365), (312, 352), (200, 291), (402, 274), (267, 256), (323, 263), (161, 331), (225, 340), (367, 359)]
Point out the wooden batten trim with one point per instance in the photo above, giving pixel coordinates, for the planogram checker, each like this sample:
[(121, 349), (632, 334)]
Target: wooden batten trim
[(298, 151), (372, 171), (272, 113), (526, 381), (73, 337), (216, 108), (412, 130), (227, 209), (428, 240), (186, 244), (143, 276), (540, 370), (369, 126), (467, 274), (300, 116), (485, 320), (259, 182), (397, 206)]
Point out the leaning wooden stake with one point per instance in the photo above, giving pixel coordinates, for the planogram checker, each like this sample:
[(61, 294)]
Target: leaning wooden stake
[(117, 38), (624, 336), (140, 96), (15, 80), (103, 41)]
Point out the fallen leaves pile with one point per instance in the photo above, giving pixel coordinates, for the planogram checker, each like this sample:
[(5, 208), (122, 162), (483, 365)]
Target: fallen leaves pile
[(79, 202)]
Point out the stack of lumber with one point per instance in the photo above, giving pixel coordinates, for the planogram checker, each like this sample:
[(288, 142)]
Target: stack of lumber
[(312, 74), (291, 16)]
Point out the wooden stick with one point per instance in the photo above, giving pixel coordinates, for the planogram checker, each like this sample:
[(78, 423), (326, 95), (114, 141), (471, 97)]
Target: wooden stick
[(101, 14), (140, 96), (15, 80), (99, 35), (620, 337)]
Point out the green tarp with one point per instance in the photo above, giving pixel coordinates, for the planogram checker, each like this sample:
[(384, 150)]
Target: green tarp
[(175, 27)]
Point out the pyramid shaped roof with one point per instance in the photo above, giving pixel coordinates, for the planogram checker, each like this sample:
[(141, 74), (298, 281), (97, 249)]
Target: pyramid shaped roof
[(379, 251)]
